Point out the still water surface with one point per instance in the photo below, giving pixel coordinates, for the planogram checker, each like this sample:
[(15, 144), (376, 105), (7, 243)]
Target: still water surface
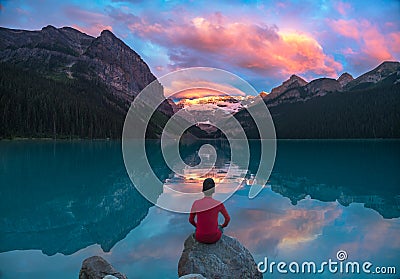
[(64, 201)]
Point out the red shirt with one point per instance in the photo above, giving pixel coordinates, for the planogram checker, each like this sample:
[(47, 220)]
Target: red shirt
[(207, 221)]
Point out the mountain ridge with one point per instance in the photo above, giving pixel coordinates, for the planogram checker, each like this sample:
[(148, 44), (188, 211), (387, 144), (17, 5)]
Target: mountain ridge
[(293, 82), (377, 74), (60, 82), (363, 109), (344, 79), (105, 57), (290, 91), (99, 77)]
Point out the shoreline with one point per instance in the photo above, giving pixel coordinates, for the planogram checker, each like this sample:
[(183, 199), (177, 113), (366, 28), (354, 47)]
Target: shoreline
[(56, 139), (211, 139)]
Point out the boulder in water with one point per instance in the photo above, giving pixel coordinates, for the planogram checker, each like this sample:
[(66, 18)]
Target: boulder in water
[(226, 258), (192, 276), (98, 268)]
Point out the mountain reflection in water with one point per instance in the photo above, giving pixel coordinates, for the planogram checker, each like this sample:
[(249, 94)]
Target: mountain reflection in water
[(60, 197)]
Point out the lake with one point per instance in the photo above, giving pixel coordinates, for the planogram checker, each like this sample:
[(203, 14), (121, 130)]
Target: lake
[(64, 201)]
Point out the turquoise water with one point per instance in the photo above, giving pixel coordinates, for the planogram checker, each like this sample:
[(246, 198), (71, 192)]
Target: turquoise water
[(64, 201)]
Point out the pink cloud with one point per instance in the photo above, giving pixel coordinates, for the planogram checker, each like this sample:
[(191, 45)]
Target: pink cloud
[(91, 23), (195, 93), (184, 88), (76, 12), (346, 28), (343, 7), (94, 29), (349, 51), (374, 45), (256, 47), (281, 5), (303, 53), (285, 231), (395, 41), (390, 24), (22, 12)]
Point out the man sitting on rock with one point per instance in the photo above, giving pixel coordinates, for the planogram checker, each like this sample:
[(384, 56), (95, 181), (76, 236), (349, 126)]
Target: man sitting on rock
[(206, 210)]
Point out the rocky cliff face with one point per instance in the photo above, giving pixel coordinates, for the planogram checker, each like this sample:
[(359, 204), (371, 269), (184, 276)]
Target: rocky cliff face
[(293, 82), (383, 71), (97, 77), (116, 64), (344, 79), (225, 259), (20, 43), (98, 268), (296, 89), (66, 53), (366, 107), (322, 86)]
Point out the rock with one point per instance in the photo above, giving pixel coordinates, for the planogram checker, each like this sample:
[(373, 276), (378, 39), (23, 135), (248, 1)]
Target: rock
[(322, 86), (293, 82), (225, 259), (98, 268), (118, 66), (381, 72), (68, 53), (289, 91), (192, 276), (344, 79), (106, 64)]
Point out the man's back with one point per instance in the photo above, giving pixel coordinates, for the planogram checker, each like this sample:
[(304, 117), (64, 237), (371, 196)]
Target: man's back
[(206, 210)]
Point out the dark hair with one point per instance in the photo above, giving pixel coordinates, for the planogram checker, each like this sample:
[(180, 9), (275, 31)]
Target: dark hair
[(208, 186)]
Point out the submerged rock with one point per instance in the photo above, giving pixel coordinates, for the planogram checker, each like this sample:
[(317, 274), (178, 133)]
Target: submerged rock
[(192, 276), (98, 268), (226, 258)]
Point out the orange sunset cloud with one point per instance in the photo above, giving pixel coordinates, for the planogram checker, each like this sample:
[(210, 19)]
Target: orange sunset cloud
[(258, 48), (199, 88), (194, 93)]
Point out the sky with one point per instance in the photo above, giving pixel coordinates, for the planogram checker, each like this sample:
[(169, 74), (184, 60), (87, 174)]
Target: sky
[(263, 42)]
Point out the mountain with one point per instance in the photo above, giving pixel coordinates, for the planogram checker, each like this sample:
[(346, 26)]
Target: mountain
[(366, 107), (82, 195), (323, 173), (62, 53), (296, 89), (289, 89), (70, 223), (344, 79), (383, 71), (60, 82), (322, 86), (231, 104)]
